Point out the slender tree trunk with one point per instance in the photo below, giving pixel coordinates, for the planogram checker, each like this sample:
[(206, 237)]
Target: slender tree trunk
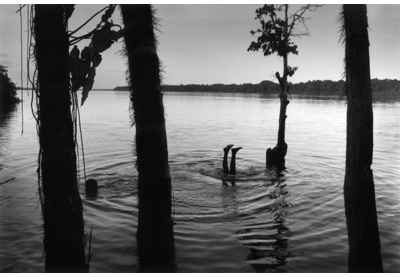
[(155, 226), (359, 191), (276, 156), (284, 103), (62, 205)]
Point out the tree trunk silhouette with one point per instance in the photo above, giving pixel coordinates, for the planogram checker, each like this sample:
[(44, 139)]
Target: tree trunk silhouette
[(276, 156), (359, 191), (155, 225), (62, 205)]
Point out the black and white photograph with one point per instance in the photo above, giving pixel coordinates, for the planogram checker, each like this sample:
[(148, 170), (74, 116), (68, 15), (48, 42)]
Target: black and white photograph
[(199, 137)]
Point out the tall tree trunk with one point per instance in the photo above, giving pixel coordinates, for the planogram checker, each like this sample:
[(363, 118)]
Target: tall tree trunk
[(62, 205), (155, 226), (359, 191), (276, 156), (284, 103)]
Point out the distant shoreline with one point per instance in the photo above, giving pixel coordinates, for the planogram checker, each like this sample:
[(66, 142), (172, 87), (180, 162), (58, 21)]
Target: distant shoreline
[(382, 90), (23, 88)]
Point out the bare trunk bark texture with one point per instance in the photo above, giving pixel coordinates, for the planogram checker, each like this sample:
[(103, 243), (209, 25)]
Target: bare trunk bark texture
[(276, 156), (155, 228), (359, 190), (62, 210)]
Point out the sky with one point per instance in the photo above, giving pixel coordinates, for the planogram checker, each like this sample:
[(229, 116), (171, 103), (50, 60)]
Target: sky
[(207, 44)]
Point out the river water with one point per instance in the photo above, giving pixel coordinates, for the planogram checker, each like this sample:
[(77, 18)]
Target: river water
[(256, 222)]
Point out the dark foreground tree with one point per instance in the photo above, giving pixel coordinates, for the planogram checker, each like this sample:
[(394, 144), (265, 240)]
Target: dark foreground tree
[(8, 90), (359, 190), (61, 203), (155, 225), (276, 37)]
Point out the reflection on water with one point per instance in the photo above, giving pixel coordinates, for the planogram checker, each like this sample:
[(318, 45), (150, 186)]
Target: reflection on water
[(256, 199), (266, 240), (257, 221), (20, 218), (268, 244), (7, 115), (90, 194)]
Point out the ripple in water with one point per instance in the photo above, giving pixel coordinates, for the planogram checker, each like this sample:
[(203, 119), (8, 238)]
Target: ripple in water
[(256, 221)]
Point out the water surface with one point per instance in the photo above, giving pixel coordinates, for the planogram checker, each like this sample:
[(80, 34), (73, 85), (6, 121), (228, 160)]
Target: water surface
[(257, 222)]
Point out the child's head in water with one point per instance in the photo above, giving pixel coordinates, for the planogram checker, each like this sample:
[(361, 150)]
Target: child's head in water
[(91, 185)]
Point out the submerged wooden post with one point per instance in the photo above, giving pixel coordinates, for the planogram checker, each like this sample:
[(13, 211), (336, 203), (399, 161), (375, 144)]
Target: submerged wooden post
[(359, 190), (155, 226), (62, 205)]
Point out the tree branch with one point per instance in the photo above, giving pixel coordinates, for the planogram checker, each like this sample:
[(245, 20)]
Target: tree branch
[(286, 22), (272, 20), (298, 16)]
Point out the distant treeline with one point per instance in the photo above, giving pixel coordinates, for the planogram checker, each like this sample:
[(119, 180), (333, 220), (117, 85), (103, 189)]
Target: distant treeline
[(8, 90), (380, 88)]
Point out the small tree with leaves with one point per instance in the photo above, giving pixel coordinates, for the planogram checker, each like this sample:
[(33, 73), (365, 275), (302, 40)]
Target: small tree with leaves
[(275, 36)]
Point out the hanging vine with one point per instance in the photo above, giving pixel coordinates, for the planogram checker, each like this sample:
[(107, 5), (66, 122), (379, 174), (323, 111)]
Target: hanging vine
[(82, 71), (83, 66)]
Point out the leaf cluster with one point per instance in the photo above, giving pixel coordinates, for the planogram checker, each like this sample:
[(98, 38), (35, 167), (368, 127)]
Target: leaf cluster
[(274, 35), (85, 62), (291, 70)]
